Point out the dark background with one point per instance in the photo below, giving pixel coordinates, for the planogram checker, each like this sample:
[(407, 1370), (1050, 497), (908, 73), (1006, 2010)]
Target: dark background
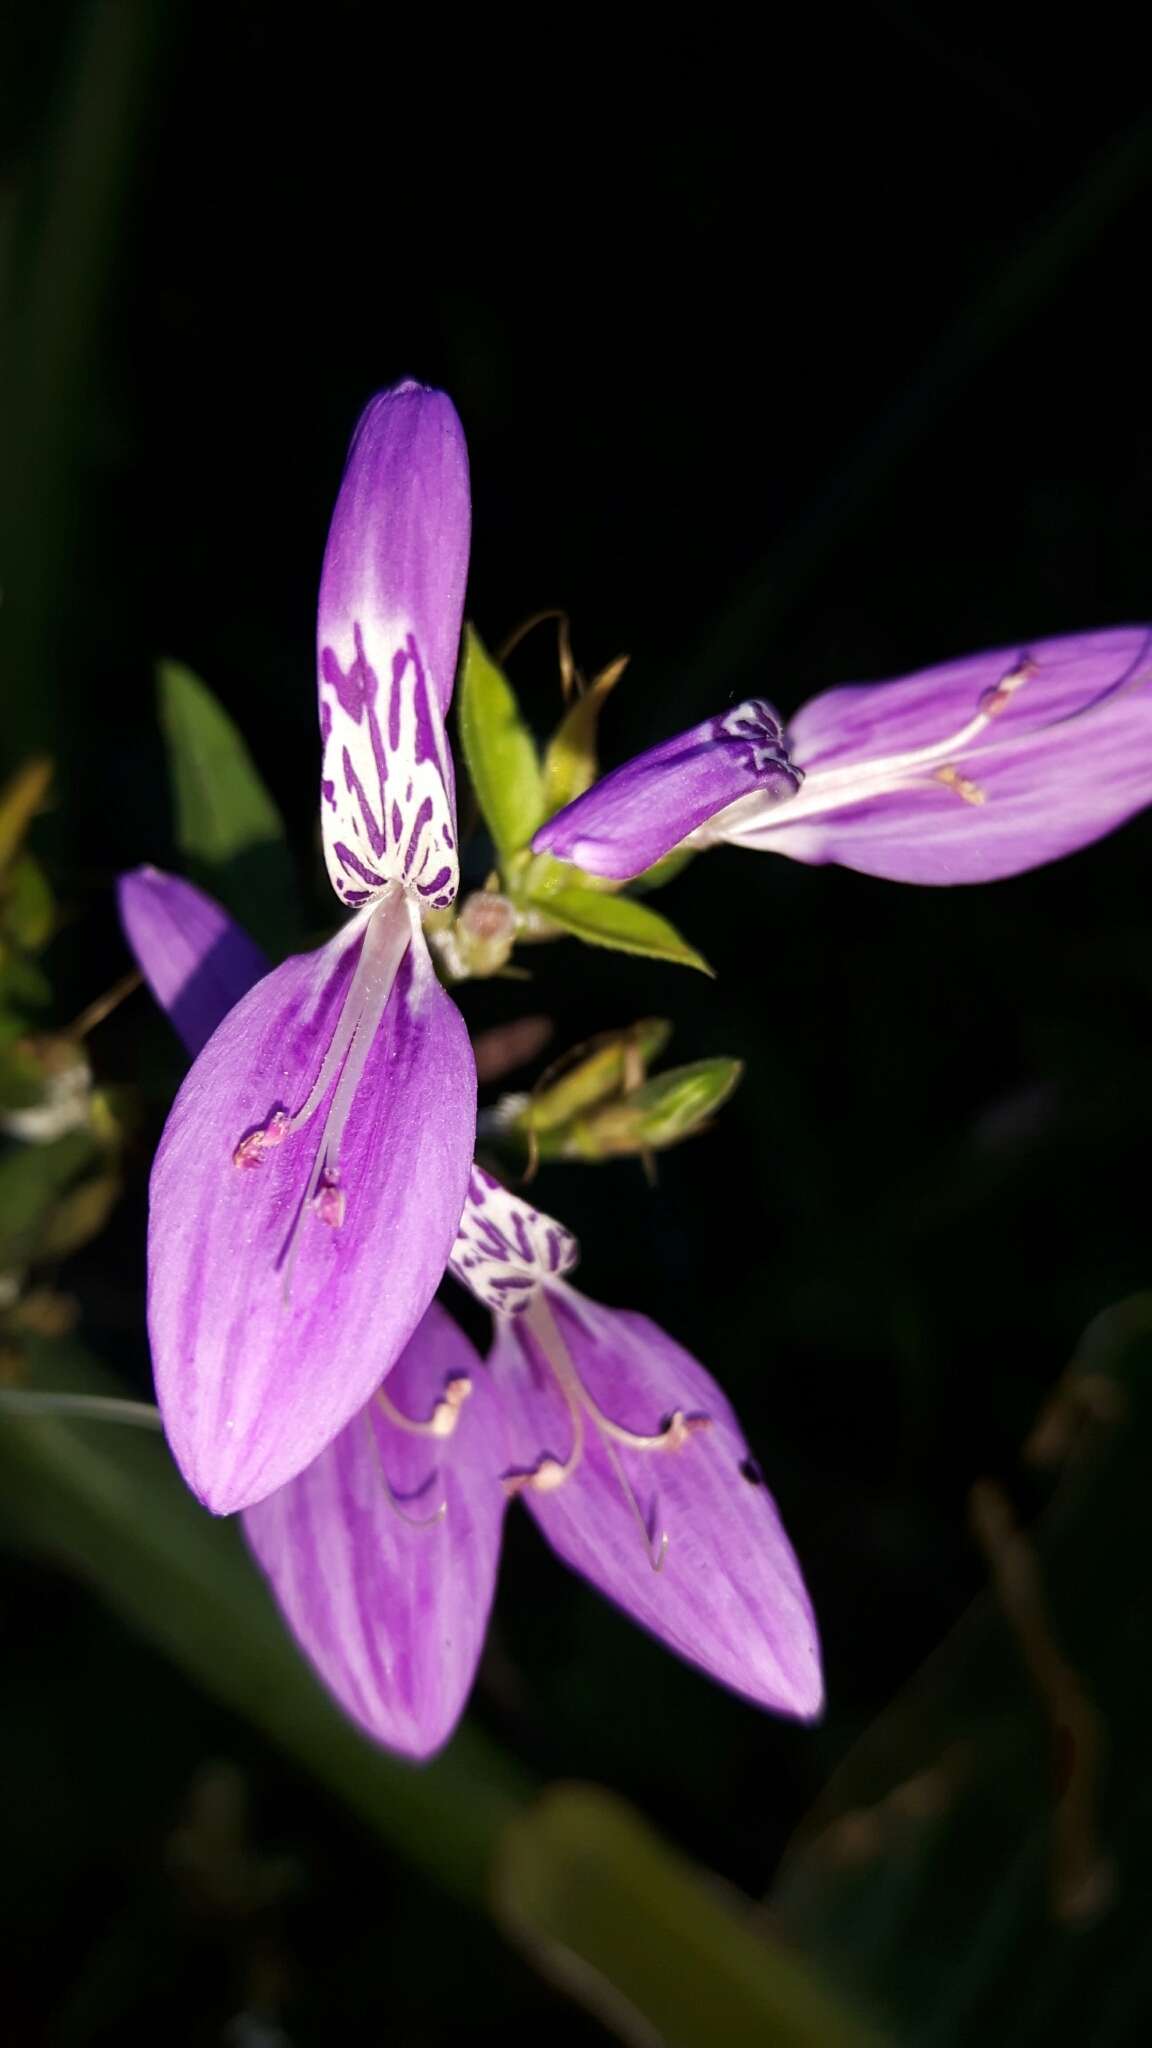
[(788, 353)]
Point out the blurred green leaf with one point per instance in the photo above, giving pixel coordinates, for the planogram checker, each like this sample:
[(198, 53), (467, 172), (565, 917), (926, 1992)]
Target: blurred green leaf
[(635, 1932), (499, 750), (34, 1179), (661, 1112), (107, 1501), (981, 1863), (227, 827), (28, 911), (617, 922), (593, 1072), (570, 764), (22, 796)]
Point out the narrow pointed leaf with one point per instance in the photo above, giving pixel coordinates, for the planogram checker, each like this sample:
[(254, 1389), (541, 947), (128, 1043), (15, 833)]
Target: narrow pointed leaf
[(570, 764), (227, 826), (500, 751), (618, 922)]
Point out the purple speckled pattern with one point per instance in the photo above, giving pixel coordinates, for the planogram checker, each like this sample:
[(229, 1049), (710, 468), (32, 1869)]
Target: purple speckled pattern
[(308, 1185), (970, 771), (505, 1250), (391, 603), (389, 1605), (729, 1595), (634, 816)]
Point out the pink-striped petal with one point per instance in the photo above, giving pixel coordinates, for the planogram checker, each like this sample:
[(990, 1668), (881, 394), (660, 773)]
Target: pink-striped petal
[(728, 1594), (392, 1615)]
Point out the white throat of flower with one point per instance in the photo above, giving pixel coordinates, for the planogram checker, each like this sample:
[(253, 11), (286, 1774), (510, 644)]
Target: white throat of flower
[(834, 789), (513, 1259)]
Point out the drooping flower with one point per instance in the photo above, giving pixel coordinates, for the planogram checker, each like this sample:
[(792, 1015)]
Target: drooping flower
[(633, 1464), (968, 772), (383, 1553), (310, 1177)]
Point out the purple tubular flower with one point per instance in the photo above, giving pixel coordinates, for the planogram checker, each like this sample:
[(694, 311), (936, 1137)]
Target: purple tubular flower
[(634, 816), (633, 1464), (311, 1174), (969, 772)]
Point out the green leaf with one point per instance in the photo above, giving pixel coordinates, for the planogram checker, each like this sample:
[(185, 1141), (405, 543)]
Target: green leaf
[(107, 1501), (20, 799), (617, 922), (661, 1112), (27, 911), (499, 750), (34, 1179), (227, 826), (980, 1864), (632, 1929), (593, 1072), (570, 764)]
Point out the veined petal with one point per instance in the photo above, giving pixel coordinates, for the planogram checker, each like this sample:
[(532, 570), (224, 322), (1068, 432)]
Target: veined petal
[(277, 1306), (729, 1595), (969, 772), (391, 603), (388, 1605), (639, 812), (196, 960)]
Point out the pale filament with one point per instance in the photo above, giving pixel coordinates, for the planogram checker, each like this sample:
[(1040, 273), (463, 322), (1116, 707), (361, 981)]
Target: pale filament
[(444, 1417), (410, 1521), (550, 1473), (385, 942), (827, 789)]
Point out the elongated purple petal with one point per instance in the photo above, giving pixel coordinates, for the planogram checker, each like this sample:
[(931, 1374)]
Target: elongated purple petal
[(391, 603), (276, 1306), (196, 960), (391, 1615), (639, 812), (729, 1595)]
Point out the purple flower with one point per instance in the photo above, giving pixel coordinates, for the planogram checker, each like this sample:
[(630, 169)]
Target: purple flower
[(633, 1464), (964, 773), (383, 1553), (310, 1177)]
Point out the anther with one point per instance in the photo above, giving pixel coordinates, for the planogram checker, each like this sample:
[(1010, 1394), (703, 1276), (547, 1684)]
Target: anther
[(444, 1417), (251, 1149), (544, 1478), (679, 1428), (961, 784), (1000, 695), (330, 1201)]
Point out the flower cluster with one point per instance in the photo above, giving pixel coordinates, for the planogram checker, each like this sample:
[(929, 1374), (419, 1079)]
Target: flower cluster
[(316, 1179)]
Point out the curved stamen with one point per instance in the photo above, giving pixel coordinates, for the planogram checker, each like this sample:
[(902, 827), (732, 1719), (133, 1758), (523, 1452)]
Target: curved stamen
[(410, 1521), (385, 943), (444, 1417), (549, 1473)]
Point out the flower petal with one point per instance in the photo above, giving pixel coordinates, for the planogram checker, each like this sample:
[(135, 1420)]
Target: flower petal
[(639, 812), (729, 1596), (1065, 757), (392, 1616), (270, 1327), (391, 603), (196, 960)]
